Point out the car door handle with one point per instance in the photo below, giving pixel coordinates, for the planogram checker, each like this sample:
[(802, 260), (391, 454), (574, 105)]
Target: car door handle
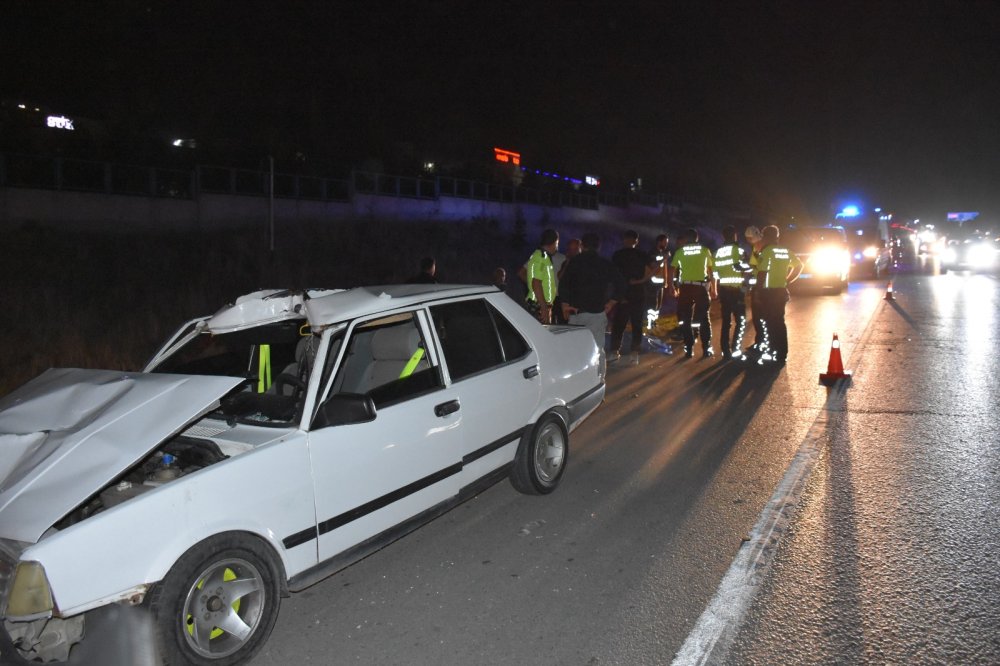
[(446, 408), (530, 372)]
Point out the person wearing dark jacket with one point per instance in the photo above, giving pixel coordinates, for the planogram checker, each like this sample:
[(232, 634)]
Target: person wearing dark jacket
[(590, 287), (637, 268), (428, 269)]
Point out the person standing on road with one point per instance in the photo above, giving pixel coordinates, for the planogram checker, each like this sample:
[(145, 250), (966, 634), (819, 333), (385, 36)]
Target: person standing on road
[(694, 288), (558, 262), (660, 280), (573, 248), (730, 269), (590, 288), (777, 267), (427, 274), (636, 267), (540, 276), (756, 241)]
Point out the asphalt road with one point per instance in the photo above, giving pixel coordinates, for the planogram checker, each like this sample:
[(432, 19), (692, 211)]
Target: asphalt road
[(891, 556)]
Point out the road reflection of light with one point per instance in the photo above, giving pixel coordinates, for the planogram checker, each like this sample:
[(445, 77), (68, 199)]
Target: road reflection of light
[(832, 316), (967, 309)]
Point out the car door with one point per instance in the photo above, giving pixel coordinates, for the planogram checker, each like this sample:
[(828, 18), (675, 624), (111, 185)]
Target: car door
[(373, 475), (493, 372)]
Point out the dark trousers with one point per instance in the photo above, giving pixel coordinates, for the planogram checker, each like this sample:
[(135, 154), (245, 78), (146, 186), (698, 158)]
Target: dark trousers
[(734, 311), (631, 311), (756, 317), (772, 302), (692, 308)]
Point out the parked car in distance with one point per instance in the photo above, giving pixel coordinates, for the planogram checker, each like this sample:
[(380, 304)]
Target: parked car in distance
[(871, 256), (825, 255), (266, 447)]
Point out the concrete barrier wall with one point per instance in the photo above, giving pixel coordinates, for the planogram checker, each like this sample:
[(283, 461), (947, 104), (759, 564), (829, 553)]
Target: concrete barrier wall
[(213, 212)]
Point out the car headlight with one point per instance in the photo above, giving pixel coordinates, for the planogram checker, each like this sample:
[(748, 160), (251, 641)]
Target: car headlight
[(30, 596), (870, 252), (829, 261), (982, 256), (949, 256)]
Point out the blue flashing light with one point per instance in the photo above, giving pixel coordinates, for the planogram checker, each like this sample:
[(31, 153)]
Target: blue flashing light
[(850, 211)]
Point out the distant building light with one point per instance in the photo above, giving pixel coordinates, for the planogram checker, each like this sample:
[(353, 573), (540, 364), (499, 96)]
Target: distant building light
[(59, 122), (21, 106), (178, 142), (184, 143), (504, 155), (429, 167), (878, 210)]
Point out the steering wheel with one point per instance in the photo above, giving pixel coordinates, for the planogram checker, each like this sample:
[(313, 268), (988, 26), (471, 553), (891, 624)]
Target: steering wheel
[(297, 383)]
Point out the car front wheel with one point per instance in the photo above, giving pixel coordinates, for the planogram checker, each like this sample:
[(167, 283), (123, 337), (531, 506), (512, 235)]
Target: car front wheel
[(541, 457), (218, 603)]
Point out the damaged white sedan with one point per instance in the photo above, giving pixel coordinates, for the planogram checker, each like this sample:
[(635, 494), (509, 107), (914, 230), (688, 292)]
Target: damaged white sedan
[(264, 448)]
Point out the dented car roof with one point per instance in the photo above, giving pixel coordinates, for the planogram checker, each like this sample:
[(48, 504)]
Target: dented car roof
[(323, 307)]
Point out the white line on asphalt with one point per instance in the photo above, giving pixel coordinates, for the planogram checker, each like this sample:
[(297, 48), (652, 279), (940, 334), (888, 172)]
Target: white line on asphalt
[(717, 624), (709, 641)]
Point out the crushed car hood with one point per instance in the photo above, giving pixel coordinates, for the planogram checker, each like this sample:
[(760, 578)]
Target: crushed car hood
[(69, 432)]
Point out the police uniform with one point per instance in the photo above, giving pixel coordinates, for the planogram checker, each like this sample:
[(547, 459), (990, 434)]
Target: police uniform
[(773, 267), (539, 267), (730, 269), (692, 264)]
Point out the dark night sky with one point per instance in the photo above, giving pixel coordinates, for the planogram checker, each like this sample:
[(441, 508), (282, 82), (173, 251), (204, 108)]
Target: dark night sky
[(793, 106)]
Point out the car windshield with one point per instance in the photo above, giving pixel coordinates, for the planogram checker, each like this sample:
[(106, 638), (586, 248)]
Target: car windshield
[(275, 360), (801, 239)]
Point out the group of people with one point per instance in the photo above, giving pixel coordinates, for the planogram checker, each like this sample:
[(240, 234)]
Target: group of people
[(582, 287)]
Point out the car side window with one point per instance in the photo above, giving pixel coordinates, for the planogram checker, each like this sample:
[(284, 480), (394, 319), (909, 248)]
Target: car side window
[(386, 358), (514, 346), (468, 337)]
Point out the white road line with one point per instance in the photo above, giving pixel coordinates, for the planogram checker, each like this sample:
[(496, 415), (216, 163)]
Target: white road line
[(711, 637), (708, 641)]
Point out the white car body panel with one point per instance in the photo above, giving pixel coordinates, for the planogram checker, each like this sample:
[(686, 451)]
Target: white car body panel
[(149, 535), (95, 424)]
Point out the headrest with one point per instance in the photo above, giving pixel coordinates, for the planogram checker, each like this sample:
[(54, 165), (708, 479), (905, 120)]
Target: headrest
[(396, 343)]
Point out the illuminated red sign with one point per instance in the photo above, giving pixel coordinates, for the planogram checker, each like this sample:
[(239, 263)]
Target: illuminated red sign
[(508, 156)]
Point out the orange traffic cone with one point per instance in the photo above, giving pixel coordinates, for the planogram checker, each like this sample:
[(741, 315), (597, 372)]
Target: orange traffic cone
[(835, 369), (888, 293)]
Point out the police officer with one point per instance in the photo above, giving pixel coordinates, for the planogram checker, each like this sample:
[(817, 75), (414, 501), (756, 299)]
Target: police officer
[(694, 287), (756, 241), (777, 267), (730, 268), (540, 276), (660, 280)]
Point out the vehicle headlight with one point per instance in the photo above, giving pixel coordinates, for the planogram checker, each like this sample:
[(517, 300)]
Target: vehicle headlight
[(982, 256), (30, 596), (829, 261), (870, 252), (949, 256)]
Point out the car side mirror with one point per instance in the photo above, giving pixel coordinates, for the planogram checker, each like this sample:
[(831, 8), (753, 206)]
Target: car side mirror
[(345, 409)]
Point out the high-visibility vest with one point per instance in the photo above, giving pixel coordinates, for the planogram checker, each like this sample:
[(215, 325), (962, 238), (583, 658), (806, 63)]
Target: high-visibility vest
[(775, 261), (729, 265), (540, 267), (693, 263)]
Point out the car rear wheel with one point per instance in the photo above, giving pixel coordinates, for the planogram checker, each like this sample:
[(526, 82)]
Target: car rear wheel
[(541, 457), (218, 603)]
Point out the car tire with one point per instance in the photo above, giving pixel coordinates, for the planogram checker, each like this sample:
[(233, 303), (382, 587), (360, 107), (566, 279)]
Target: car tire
[(541, 457), (246, 580)]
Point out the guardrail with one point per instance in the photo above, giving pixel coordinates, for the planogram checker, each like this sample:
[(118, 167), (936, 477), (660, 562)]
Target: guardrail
[(58, 173)]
